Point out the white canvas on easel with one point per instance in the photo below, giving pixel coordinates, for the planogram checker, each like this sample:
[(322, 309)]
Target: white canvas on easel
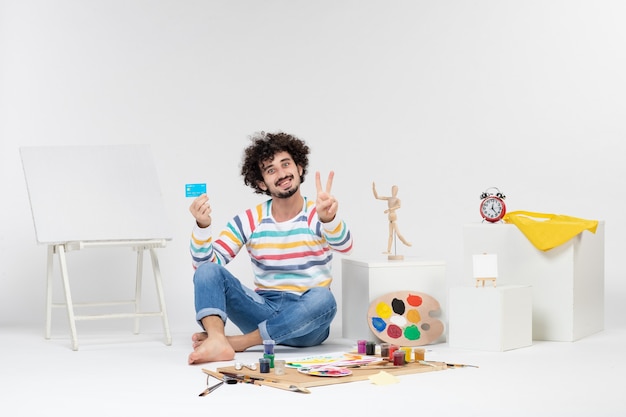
[(71, 186), (97, 196), (485, 268)]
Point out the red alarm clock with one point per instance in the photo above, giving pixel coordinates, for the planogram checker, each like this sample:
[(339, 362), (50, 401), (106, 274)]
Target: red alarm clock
[(492, 207)]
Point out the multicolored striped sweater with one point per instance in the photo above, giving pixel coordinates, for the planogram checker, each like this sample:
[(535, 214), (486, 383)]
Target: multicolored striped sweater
[(288, 256)]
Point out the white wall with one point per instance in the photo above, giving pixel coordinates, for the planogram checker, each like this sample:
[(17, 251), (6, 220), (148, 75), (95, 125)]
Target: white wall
[(442, 98)]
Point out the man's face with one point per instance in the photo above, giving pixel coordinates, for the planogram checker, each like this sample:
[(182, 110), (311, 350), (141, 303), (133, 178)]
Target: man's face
[(281, 176)]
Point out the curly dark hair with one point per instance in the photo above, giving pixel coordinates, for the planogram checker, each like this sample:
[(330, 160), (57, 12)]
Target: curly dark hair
[(264, 147)]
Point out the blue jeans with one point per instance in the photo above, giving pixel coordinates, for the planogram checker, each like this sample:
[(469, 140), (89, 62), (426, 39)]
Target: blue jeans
[(287, 318)]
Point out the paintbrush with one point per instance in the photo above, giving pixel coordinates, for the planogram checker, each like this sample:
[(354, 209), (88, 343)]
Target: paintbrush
[(262, 381), (460, 365), (371, 365)]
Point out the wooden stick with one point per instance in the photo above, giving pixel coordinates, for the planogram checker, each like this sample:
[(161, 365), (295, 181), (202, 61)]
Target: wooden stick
[(280, 385)]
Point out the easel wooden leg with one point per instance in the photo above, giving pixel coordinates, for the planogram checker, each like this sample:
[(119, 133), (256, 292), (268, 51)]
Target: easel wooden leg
[(49, 274), (138, 279), (68, 295), (482, 280), (159, 286)]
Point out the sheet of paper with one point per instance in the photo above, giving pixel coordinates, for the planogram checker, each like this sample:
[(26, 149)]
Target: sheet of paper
[(383, 378)]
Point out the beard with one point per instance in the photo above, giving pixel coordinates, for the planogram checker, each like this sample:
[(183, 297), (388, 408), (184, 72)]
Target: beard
[(285, 193)]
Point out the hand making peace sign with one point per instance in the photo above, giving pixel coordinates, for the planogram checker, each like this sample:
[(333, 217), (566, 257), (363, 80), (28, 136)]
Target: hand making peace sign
[(326, 204)]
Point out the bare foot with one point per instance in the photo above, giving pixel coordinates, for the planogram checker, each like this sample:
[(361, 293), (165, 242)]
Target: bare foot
[(215, 349), (241, 342), (198, 338)]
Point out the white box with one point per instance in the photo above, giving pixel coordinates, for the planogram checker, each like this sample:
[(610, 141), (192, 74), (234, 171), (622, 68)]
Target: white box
[(492, 319), (364, 281), (567, 281)]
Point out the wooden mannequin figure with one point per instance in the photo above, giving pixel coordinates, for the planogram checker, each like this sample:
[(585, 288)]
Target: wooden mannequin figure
[(393, 204)]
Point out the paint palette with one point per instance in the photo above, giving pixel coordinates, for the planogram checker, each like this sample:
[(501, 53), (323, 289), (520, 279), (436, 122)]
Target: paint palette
[(405, 318), (331, 371)]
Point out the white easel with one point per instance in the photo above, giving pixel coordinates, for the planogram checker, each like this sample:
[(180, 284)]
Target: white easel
[(95, 197)]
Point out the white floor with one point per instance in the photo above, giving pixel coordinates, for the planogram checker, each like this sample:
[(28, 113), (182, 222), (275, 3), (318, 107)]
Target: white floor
[(117, 373)]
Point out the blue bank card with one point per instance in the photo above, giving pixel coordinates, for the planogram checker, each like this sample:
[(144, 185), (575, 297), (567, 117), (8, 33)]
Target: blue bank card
[(194, 190)]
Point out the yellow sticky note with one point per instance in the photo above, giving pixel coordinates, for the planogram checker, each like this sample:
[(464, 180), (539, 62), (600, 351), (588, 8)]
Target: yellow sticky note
[(383, 378)]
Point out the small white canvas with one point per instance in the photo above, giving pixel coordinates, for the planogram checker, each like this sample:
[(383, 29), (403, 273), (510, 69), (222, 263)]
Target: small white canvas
[(485, 265)]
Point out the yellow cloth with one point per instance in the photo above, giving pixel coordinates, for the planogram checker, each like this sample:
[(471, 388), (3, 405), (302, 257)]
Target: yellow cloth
[(547, 231)]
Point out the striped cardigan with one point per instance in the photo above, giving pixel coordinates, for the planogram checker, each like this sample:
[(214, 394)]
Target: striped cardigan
[(288, 256)]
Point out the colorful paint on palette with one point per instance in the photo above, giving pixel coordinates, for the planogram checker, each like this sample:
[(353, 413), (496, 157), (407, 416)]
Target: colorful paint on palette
[(406, 318)]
